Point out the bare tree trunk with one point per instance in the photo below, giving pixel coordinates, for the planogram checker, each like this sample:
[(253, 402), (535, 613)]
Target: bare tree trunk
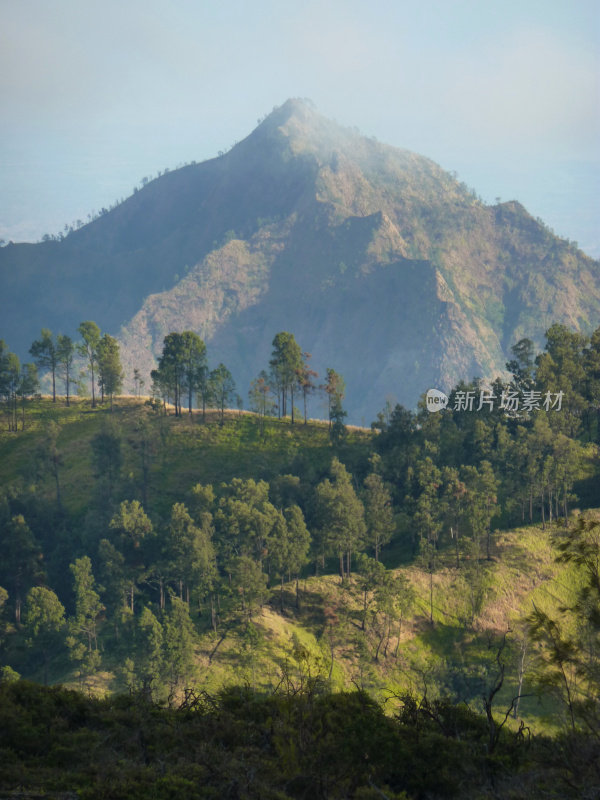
[(543, 508), (521, 675), (399, 637), (58, 497), (457, 549), (332, 657), (215, 648), (387, 640), (381, 638), (93, 390), (431, 596), (213, 613)]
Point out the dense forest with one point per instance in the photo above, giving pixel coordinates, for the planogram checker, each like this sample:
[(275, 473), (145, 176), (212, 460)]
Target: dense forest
[(166, 546)]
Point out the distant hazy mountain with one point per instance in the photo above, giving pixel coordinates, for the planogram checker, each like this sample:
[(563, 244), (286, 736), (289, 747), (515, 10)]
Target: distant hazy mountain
[(382, 264)]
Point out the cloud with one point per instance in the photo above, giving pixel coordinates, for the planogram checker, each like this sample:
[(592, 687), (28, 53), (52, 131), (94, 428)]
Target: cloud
[(448, 72), (534, 90)]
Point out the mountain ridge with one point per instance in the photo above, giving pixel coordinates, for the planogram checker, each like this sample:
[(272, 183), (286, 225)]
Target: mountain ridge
[(305, 226)]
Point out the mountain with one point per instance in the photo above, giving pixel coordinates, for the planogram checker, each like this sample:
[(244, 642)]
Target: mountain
[(383, 265)]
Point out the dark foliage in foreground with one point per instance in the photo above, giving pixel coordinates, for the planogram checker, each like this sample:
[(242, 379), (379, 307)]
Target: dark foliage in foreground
[(303, 743)]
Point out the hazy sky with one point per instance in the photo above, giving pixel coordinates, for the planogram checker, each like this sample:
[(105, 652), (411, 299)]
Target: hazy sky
[(97, 94)]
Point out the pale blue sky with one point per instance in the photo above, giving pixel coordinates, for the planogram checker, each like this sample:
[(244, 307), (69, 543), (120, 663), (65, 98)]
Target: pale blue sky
[(96, 95)]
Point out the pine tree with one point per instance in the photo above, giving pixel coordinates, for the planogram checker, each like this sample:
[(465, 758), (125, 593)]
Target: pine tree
[(179, 640), (286, 364), (66, 355), (194, 364), (46, 352), (222, 388), (110, 371), (28, 386), (379, 516), (44, 619), (335, 388), (306, 381), (341, 516), (83, 638), (150, 660), (259, 398), (22, 560), (132, 527), (88, 348)]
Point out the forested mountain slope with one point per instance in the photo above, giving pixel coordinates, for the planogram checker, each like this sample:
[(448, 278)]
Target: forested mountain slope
[(149, 550), (444, 564)]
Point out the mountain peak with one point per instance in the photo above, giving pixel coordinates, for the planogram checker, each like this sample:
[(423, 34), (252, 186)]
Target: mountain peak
[(300, 107), (305, 130)]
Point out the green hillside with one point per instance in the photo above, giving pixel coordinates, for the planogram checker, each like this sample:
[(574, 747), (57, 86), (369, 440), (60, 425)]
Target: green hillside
[(478, 610), (181, 451), (252, 608)]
